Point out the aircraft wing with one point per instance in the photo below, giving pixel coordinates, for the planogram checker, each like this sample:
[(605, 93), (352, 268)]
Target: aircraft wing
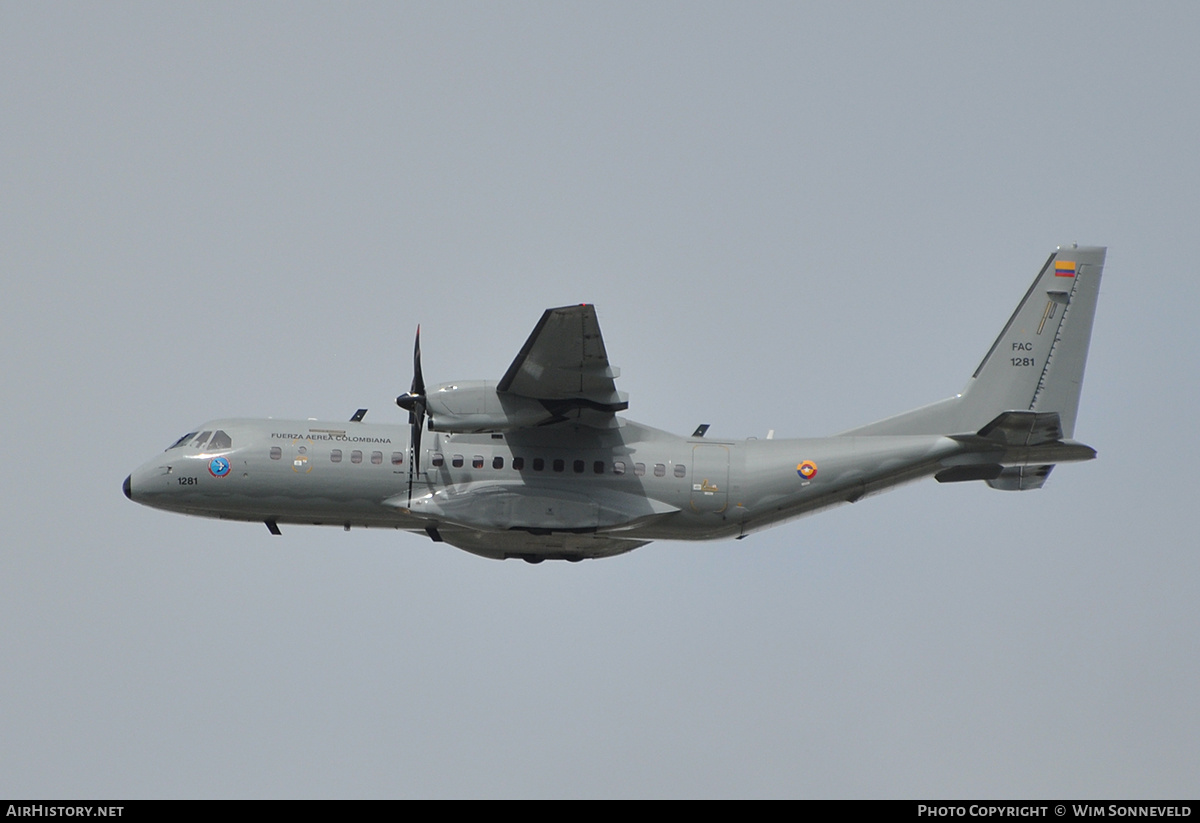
[(564, 365)]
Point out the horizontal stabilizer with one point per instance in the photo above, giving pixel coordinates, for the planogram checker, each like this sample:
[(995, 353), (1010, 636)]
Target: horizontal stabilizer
[(1015, 452), (1024, 428), (1021, 478), (1024, 438), (962, 474)]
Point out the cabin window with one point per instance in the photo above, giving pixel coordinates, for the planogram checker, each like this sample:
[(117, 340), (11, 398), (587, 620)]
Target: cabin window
[(578, 466), (598, 467), (660, 470), (538, 464), (680, 470), (276, 452), (356, 456), (639, 469), (477, 461), (518, 463), (619, 467), (220, 440), (497, 462), (559, 465), (457, 461), (335, 456), (377, 458), (438, 460), (397, 458)]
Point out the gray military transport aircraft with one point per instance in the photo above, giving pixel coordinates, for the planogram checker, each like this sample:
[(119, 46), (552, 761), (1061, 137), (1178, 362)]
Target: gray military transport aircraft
[(540, 465)]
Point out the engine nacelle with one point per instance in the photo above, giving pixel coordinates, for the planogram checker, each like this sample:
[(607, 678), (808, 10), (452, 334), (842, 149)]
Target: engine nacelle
[(476, 406)]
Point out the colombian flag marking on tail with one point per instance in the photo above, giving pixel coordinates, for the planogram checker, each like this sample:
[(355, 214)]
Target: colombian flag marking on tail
[(1064, 268)]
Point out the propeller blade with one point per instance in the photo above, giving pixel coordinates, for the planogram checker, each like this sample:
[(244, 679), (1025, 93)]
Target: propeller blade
[(414, 402), (416, 393), (417, 428), (418, 383)]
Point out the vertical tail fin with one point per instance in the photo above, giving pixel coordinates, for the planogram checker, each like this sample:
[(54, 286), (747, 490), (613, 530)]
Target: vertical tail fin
[(1037, 362)]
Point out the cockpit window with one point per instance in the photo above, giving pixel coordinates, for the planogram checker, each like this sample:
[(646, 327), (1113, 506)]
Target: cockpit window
[(181, 441), (194, 440)]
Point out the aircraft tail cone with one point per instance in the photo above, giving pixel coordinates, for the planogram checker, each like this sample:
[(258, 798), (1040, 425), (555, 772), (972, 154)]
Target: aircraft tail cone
[(127, 488)]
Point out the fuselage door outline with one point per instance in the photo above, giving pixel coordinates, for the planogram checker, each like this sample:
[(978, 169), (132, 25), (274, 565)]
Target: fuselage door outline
[(710, 479)]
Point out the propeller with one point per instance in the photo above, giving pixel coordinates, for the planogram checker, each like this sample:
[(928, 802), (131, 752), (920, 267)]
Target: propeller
[(413, 401)]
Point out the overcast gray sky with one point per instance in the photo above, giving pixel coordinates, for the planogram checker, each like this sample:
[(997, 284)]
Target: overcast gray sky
[(791, 216)]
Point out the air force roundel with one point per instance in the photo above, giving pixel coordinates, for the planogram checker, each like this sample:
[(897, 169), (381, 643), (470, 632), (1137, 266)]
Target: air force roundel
[(218, 467), (807, 469)]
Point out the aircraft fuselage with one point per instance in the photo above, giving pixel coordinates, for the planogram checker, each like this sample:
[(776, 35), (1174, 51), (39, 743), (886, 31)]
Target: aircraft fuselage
[(631, 480)]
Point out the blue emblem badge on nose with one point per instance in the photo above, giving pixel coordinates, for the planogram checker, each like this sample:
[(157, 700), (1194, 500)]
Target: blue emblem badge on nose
[(218, 467)]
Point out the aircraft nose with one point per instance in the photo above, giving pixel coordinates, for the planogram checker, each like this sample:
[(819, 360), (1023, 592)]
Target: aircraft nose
[(125, 487)]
